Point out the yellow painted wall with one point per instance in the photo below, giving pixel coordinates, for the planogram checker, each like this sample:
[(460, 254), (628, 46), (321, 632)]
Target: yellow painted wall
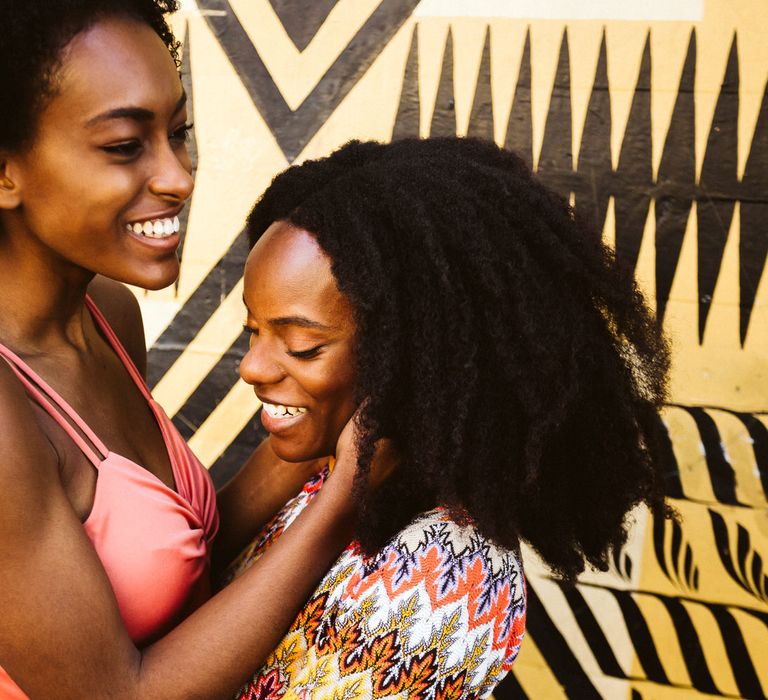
[(652, 115)]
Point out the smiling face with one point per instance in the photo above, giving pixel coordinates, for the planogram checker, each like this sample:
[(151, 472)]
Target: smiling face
[(101, 186), (301, 357)]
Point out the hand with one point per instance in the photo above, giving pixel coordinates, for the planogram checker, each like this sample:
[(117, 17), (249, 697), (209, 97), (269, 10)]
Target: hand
[(385, 457)]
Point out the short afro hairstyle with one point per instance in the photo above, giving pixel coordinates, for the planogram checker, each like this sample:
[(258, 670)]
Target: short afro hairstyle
[(500, 345), (34, 34)]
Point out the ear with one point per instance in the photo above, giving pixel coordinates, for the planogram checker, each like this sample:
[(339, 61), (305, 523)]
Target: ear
[(10, 192)]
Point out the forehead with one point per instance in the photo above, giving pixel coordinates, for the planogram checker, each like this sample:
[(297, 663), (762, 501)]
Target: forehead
[(114, 63), (287, 267)]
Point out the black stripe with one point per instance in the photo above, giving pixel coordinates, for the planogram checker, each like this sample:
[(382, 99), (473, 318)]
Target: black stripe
[(509, 689), (409, 110), (593, 633), (676, 182), (741, 664), (673, 486), (293, 129), (212, 390), (759, 434), (659, 529), (238, 451), (188, 83), (197, 310), (641, 637), (555, 649), (444, 113), (690, 646), (633, 180), (718, 182), (720, 472), (555, 166)]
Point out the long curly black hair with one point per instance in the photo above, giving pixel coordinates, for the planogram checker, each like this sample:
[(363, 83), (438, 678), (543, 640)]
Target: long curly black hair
[(34, 34), (509, 357)]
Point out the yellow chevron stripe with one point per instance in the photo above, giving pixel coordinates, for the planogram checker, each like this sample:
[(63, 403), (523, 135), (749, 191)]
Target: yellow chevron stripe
[(533, 673), (656, 691), (755, 635), (713, 647), (664, 637), (224, 424), (202, 354), (737, 443), (689, 453)]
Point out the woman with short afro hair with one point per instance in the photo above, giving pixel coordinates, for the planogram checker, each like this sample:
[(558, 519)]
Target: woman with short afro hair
[(500, 351)]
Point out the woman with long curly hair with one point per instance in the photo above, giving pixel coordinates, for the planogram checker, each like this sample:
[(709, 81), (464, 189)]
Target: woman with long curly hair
[(108, 520), (493, 347)]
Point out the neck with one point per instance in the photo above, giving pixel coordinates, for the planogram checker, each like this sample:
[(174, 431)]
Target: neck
[(42, 300)]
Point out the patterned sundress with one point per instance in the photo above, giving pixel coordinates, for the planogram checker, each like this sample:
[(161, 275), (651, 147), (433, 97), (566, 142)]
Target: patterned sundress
[(437, 614)]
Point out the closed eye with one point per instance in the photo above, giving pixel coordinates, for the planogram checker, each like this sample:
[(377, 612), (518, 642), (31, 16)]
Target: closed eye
[(181, 134), (127, 149), (306, 354)]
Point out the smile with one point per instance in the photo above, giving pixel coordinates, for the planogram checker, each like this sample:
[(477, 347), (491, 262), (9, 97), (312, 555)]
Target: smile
[(155, 228), (280, 411)]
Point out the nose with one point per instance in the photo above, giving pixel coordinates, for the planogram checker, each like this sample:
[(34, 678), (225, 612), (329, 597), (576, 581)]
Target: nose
[(259, 366), (172, 176)]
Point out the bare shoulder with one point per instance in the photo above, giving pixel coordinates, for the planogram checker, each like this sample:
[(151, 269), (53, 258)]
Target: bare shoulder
[(28, 462), (121, 309)]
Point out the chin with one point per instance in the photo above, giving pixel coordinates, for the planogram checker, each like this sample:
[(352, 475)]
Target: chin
[(291, 452), (159, 280)]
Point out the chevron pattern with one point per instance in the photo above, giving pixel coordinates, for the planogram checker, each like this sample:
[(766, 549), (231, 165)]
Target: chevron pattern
[(683, 612)]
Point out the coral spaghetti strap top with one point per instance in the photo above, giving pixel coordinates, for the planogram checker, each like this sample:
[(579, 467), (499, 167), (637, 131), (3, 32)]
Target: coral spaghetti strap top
[(154, 542)]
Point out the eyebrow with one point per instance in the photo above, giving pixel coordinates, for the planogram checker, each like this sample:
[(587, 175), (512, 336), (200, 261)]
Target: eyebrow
[(301, 321), (139, 114)]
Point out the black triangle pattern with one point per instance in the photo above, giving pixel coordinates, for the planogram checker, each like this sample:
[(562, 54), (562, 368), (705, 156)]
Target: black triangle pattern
[(302, 19), (593, 180), (677, 173)]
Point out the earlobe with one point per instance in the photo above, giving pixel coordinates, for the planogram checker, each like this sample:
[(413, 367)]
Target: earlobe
[(10, 192)]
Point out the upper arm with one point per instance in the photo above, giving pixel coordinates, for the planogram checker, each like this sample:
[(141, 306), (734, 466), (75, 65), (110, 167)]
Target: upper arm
[(121, 309), (61, 627)]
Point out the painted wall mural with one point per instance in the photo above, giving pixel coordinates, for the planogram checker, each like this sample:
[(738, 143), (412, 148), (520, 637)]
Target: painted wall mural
[(654, 120)]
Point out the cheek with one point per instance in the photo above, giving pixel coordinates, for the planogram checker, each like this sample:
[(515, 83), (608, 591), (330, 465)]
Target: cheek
[(334, 391)]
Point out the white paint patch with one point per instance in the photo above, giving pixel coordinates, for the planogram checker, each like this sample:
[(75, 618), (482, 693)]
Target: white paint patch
[(644, 10), (189, 7), (157, 314)]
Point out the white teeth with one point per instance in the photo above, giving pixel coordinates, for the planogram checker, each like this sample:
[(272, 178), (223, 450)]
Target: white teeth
[(157, 228), (281, 411)]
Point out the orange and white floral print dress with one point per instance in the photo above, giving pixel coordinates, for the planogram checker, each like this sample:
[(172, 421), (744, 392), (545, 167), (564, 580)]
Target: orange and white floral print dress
[(437, 614)]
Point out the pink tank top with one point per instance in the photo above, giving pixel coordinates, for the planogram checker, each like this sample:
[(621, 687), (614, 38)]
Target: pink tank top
[(154, 542)]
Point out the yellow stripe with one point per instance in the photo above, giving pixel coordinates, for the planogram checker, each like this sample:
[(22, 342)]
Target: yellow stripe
[(224, 424), (664, 638), (656, 691), (756, 640), (533, 673), (202, 354), (741, 454), (716, 657), (689, 453)]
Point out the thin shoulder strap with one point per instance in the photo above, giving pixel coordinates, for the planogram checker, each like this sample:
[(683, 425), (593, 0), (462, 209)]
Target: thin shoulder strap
[(117, 346), (56, 407)]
